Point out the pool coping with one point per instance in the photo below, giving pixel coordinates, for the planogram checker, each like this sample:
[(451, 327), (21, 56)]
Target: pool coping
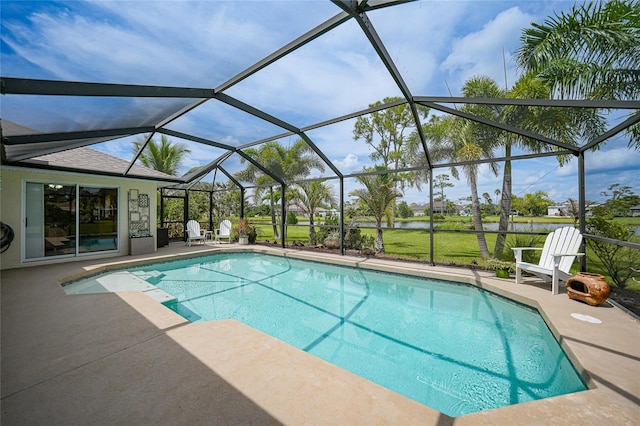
[(607, 354)]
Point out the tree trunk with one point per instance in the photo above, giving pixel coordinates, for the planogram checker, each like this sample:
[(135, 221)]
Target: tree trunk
[(312, 231), (505, 205), (379, 245), (477, 218)]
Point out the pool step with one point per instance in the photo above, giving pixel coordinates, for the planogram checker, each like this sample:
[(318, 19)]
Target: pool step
[(122, 281), (160, 295), (152, 277)]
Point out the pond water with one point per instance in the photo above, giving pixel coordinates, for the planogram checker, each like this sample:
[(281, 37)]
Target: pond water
[(533, 227)]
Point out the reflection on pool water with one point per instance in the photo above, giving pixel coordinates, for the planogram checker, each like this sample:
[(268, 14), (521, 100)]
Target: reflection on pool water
[(450, 346)]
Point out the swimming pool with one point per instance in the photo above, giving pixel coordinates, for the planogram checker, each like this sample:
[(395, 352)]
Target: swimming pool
[(450, 346)]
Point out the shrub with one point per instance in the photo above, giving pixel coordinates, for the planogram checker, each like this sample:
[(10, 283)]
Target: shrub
[(451, 226), (333, 240), (529, 256), (353, 239), (496, 264), (617, 260), (323, 230), (292, 219)]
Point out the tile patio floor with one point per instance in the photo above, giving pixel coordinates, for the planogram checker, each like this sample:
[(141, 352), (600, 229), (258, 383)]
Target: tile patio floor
[(125, 359)]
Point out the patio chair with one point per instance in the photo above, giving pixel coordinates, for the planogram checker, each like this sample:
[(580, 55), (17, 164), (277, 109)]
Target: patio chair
[(224, 231), (559, 251), (194, 233)]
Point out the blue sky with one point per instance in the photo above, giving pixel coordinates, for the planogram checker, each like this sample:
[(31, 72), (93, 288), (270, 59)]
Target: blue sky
[(436, 45)]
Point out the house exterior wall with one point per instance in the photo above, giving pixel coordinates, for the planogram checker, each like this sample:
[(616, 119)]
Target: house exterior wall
[(12, 209), (554, 211)]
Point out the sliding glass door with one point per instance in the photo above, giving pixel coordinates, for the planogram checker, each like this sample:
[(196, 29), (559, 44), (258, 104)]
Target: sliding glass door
[(63, 219), (98, 219)]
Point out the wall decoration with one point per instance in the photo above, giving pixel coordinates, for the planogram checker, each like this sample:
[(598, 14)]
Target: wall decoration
[(143, 200), (139, 223)]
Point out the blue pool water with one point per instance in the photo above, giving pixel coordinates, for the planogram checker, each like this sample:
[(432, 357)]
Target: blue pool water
[(450, 346)]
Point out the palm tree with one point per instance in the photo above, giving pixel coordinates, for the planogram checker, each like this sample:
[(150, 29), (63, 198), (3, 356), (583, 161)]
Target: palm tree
[(470, 148), (593, 52), (376, 198), (287, 164), (311, 196), (471, 141), (166, 157), (567, 125)]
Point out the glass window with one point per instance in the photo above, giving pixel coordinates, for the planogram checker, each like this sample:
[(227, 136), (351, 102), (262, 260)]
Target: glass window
[(64, 219)]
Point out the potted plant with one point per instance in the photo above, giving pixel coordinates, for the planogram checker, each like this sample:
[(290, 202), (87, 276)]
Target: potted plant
[(502, 267), (141, 243), (253, 234), (333, 240), (242, 230)]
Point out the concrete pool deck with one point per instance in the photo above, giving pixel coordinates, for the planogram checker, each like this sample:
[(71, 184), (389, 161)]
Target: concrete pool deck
[(122, 358)]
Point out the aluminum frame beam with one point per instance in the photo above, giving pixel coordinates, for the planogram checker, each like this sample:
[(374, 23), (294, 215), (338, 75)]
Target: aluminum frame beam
[(231, 178), (635, 118), (501, 126), (192, 138), (260, 167), (26, 86), (604, 104), (358, 12), (139, 153), (309, 36), (203, 171), (70, 136)]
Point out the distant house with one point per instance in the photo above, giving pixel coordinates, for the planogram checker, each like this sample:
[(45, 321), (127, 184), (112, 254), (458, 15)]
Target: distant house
[(297, 209), (635, 210), (418, 209), (300, 210), (566, 209), (438, 208), (555, 210)]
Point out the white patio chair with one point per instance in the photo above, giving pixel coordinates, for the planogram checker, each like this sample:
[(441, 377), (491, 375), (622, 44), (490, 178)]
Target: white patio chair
[(559, 251), (224, 231), (193, 232)]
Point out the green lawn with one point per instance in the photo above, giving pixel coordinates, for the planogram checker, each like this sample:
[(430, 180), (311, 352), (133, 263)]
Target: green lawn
[(412, 244), (459, 248)]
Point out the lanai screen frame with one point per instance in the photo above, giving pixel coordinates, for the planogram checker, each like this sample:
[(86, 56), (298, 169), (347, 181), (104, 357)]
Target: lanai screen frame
[(60, 141)]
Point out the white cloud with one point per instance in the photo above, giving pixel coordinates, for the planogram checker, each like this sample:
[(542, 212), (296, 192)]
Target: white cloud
[(319, 81), (480, 52), (610, 160), (172, 43), (347, 164)]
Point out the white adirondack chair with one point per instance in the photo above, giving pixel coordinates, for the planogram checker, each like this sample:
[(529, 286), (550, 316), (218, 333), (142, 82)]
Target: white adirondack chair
[(224, 231), (559, 251), (193, 232)]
